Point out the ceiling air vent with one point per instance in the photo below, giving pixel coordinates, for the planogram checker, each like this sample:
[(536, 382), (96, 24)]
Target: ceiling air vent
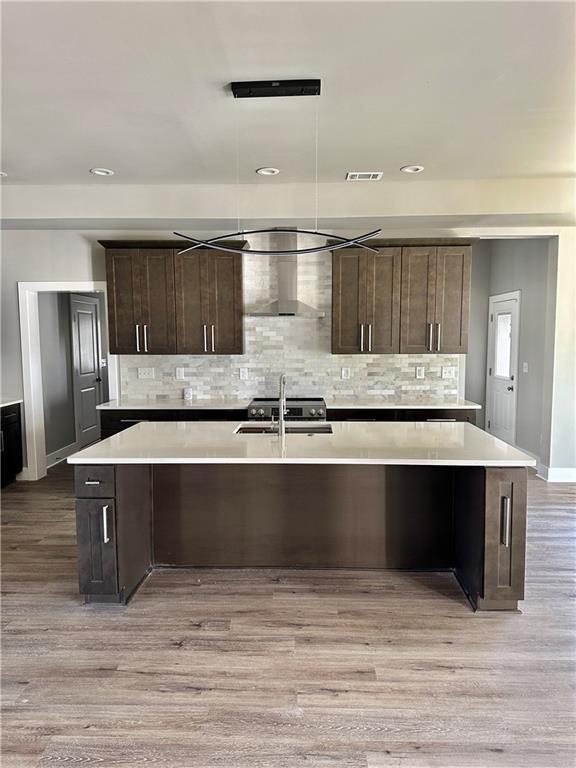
[(363, 175)]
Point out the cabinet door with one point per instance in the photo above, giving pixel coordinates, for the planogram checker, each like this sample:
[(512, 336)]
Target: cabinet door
[(96, 535), (124, 321), (191, 303), (226, 311), (383, 273), (348, 301), (156, 268), (452, 303), (418, 292), (505, 534)]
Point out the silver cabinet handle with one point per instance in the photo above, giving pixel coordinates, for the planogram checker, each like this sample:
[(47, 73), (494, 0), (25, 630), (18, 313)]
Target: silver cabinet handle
[(132, 421), (205, 329), (145, 338), (91, 482), (430, 334), (507, 521), (369, 337), (105, 536), (361, 337), (441, 420), (438, 337), (213, 341), (137, 338)]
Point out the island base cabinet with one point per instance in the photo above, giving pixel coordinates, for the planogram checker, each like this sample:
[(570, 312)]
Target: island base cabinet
[(490, 535), (113, 528), (96, 536)]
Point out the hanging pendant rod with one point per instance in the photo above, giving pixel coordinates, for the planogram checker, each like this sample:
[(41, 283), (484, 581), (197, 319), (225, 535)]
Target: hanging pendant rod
[(342, 242)]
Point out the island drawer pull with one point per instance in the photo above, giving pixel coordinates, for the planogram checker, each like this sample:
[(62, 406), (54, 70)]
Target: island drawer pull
[(506, 521), (91, 482), (440, 419), (105, 536)]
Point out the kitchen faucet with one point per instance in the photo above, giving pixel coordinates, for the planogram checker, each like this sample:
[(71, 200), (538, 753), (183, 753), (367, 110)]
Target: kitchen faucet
[(282, 406)]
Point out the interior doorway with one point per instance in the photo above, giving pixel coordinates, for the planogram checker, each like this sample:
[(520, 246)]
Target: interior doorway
[(502, 365), (36, 458)]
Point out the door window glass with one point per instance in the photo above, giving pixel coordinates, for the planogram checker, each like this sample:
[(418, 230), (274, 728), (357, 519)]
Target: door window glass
[(503, 344)]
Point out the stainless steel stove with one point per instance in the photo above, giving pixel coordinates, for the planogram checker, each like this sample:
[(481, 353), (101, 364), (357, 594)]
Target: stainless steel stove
[(298, 408)]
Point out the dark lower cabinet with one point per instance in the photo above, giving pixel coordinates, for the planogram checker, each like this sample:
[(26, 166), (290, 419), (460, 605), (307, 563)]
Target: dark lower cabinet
[(113, 531), (10, 443), (96, 536)]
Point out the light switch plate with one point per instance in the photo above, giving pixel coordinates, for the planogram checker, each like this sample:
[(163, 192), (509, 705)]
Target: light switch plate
[(244, 374), (183, 374), (420, 372), (145, 373), (448, 372), (345, 373)]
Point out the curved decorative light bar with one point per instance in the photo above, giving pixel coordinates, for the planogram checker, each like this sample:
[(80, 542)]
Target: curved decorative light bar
[(342, 241)]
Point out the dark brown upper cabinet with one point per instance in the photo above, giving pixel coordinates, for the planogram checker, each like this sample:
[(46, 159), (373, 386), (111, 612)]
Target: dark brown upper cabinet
[(209, 303), (163, 302), (435, 299), (141, 308), (366, 301), (417, 302)]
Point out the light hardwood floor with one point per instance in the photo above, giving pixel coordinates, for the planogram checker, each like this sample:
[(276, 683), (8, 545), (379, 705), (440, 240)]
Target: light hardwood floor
[(281, 669)]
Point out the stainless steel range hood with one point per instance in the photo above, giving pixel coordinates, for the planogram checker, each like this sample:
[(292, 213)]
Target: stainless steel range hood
[(287, 304)]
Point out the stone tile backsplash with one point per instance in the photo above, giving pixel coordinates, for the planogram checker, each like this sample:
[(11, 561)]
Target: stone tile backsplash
[(296, 346)]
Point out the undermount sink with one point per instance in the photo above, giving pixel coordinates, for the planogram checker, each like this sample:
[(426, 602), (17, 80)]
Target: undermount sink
[(291, 429)]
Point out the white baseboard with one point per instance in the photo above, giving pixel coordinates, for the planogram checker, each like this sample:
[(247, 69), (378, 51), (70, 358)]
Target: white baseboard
[(57, 456), (557, 474)]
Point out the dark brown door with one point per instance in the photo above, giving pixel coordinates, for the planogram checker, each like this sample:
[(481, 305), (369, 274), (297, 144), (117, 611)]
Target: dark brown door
[(226, 313), (417, 302), (349, 301), (123, 296), (383, 274), (158, 318), (191, 303), (96, 537), (452, 302)]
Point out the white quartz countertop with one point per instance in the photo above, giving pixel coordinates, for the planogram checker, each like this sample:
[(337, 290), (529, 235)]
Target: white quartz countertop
[(174, 404), (8, 401), (135, 404), (358, 402), (208, 442)]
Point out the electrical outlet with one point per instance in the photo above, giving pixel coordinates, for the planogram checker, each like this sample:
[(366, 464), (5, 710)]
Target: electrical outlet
[(448, 372), (183, 374), (145, 373), (345, 373), (524, 367), (420, 372), (243, 374)]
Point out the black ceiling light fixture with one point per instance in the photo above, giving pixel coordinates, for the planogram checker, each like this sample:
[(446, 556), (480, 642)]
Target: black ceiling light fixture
[(266, 89)]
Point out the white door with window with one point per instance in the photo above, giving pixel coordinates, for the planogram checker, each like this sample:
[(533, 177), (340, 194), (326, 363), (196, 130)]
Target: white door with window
[(502, 365)]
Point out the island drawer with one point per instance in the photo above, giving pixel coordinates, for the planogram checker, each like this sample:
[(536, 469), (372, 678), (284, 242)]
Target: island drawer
[(94, 481)]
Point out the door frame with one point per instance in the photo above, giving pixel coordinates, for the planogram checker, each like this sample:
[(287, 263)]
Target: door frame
[(35, 463), (493, 299)]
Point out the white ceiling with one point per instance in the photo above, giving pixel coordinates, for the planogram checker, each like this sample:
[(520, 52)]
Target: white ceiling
[(470, 90)]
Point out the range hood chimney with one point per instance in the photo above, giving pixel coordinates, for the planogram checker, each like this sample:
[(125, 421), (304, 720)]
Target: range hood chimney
[(287, 304)]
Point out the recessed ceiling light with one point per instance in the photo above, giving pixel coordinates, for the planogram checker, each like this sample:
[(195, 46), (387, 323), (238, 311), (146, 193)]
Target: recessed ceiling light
[(3, 174), (412, 168), (102, 172), (268, 171)]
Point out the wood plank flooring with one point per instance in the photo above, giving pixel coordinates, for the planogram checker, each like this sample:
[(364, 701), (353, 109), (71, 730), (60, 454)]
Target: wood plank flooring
[(282, 669)]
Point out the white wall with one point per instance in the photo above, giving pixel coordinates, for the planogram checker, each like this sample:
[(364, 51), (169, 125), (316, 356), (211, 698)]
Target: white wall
[(42, 255)]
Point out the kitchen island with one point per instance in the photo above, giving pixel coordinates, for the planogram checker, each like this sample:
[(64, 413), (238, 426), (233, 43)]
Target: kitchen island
[(409, 495)]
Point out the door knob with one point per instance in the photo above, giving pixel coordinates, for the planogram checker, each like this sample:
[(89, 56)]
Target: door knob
[(98, 379), (510, 389)]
